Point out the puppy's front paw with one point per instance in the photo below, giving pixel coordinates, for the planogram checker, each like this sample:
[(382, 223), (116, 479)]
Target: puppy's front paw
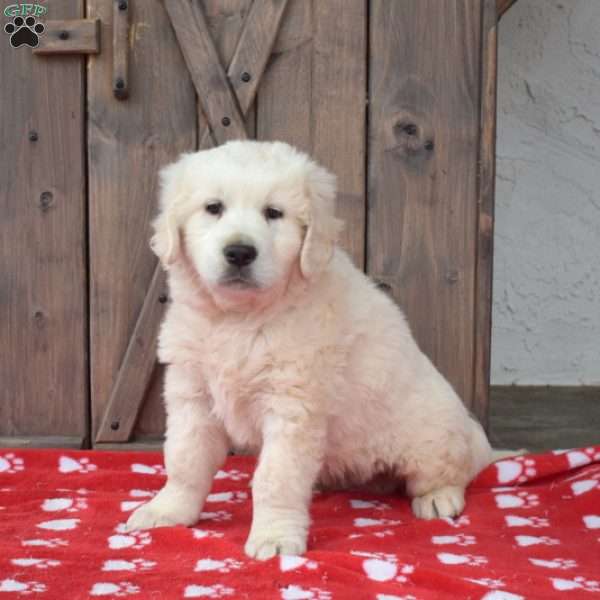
[(447, 501), (263, 546)]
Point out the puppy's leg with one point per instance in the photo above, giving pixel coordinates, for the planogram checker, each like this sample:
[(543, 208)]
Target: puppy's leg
[(289, 463), (195, 447)]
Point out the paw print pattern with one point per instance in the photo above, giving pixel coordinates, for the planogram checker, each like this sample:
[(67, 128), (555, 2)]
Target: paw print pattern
[(578, 458), (462, 521), (38, 563), (136, 564), (554, 563), (148, 469), (517, 521), (363, 522), (577, 583), (51, 543), (460, 539), (66, 464), (492, 584), (219, 515), (200, 534), (228, 497), (21, 587), (24, 32), (131, 539), (232, 474), (211, 591), (447, 558), (295, 592), (517, 500), (531, 540), (225, 565), (290, 562), (66, 504), (129, 505), (9, 463), (124, 588), (518, 469), (372, 504), (384, 567)]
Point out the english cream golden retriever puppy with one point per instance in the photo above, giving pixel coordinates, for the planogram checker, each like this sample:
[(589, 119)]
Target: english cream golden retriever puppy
[(276, 343)]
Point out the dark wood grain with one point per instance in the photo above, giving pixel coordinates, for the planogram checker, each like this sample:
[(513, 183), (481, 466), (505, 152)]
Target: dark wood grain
[(423, 152), (485, 227), (120, 49), (71, 36), (43, 321), (127, 143)]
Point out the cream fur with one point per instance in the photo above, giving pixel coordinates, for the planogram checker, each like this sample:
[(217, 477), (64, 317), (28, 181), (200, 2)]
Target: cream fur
[(310, 366)]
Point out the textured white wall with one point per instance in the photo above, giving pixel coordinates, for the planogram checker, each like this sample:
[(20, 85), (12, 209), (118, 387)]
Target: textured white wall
[(546, 317)]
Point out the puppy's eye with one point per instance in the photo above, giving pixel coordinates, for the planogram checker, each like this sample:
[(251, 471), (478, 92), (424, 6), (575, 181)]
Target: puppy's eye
[(273, 213), (215, 208)]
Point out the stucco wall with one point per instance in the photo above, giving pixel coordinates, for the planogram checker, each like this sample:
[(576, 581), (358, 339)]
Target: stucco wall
[(546, 317)]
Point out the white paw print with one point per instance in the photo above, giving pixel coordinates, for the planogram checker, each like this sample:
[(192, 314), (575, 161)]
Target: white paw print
[(517, 521), (135, 564), (518, 469), (66, 464), (124, 588), (205, 533), (364, 522), (447, 558), (462, 521), (379, 566), (131, 539), (129, 505), (577, 583), (554, 563), (51, 543), (388, 597), (232, 474), (9, 463), (148, 469), (531, 540), (38, 563), (493, 584), (290, 562), (373, 504), (59, 524), (460, 539), (517, 500), (211, 591), (21, 587), (584, 456), (228, 497), (67, 504), (582, 486), (295, 592), (225, 565), (219, 515)]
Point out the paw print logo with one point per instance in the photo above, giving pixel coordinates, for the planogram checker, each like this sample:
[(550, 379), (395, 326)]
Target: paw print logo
[(517, 500), (21, 587), (532, 540), (66, 464), (372, 504), (38, 563), (9, 463), (384, 567), (222, 566), (200, 534), (24, 32), (67, 504), (462, 521), (136, 564), (518, 469), (295, 592), (124, 588), (554, 563), (148, 469), (460, 539), (578, 458), (132, 539), (577, 583), (211, 591), (517, 521), (51, 543), (447, 558), (232, 474), (364, 522)]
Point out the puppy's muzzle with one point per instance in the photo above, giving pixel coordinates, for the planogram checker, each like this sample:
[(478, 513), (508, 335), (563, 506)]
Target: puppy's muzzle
[(240, 255)]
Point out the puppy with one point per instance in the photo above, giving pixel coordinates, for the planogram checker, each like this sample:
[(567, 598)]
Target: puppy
[(274, 342)]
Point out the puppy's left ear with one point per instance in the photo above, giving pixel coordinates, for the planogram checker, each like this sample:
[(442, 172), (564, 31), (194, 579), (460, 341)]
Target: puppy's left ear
[(322, 226)]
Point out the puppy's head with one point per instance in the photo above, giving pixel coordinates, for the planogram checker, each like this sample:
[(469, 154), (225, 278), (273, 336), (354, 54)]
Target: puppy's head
[(246, 216)]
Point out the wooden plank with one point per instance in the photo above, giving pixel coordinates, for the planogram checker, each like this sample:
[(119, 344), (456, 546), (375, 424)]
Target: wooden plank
[(128, 142), (43, 322), (339, 92), (208, 75), (49, 441), (545, 417), (120, 48), (502, 6), (72, 36), (485, 227), (422, 175)]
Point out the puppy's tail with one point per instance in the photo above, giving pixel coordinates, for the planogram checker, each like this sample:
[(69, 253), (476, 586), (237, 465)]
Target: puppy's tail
[(503, 454)]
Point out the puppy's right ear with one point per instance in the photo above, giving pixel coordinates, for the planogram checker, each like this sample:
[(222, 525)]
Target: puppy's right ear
[(165, 242)]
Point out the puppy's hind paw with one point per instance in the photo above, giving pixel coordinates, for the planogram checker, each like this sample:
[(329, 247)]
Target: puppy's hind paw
[(447, 501)]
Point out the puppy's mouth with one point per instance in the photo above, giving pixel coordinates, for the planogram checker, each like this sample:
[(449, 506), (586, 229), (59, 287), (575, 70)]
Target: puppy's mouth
[(238, 278)]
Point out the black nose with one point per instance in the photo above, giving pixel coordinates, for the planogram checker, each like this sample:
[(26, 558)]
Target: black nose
[(239, 254)]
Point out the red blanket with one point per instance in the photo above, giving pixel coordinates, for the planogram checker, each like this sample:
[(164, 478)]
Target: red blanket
[(531, 529)]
